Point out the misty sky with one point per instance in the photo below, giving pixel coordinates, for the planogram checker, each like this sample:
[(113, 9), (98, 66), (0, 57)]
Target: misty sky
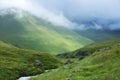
[(72, 13)]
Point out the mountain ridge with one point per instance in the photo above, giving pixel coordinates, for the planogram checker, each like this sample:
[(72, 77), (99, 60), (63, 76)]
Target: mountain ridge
[(31, 32)]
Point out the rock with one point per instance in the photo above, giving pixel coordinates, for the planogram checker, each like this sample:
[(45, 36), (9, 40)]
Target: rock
[(76, 71), (46, 70), (54, 70), (81, 54), (37, 63), (103, 49), (118, 44), (76, 62), (68, 62), (61, 56), (65, 67), (68, 79), (70, 76)]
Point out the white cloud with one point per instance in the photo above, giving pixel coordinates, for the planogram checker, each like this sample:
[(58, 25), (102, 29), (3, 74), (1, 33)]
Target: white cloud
[(115, 26), (69, 13), (13, 3), (86, 10), (57, 19), (84, 27)]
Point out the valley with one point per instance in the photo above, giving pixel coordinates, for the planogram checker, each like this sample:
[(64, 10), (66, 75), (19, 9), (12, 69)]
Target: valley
[(99, 65), (31, 32), (38, 42)]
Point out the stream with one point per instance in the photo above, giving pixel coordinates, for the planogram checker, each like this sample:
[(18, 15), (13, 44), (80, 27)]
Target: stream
[(25, 78), (28, 77)]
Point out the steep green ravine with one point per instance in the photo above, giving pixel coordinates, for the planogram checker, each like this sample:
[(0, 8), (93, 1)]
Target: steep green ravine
[(33, 33)]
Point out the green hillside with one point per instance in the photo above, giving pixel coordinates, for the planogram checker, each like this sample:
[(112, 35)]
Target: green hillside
[(15, 62), (101, 64), (99, 35), (27, 31), (90, 49)]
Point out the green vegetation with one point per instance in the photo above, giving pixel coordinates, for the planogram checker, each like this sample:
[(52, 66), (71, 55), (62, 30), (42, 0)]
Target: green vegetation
[(102, 64), (99, 61), (99, 35), (90, 49), (30, 32), (15, 62)]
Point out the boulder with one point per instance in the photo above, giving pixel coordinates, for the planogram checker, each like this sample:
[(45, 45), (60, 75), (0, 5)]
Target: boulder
[(70, 76), (81, 54), (37, 63), (118, 44), (68, 62), (103, 49)]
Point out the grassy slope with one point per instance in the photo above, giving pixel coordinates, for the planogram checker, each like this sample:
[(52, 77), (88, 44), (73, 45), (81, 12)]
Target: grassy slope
[(99, 35), (90, 49), (100, 65), (32, 33), (15, 62)]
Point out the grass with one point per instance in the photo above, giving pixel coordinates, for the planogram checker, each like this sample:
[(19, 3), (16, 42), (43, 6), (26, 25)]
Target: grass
[(99, 35), (15, 62), (90, 49), (32, 33), (100, 65)]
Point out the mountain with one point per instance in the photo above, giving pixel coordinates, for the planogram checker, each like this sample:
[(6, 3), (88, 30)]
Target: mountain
[(99, 35), (16, 62), (24, 30), (98, 30), (102, 64), (92, 48)]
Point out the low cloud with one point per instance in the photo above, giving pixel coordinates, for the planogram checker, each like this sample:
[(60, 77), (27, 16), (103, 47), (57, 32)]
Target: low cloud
[(78, 11), (115, 26), (55, 18), (73, 13)]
